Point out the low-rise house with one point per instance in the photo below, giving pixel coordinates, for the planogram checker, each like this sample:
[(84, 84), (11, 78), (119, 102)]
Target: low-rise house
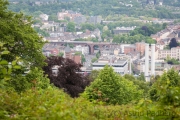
[(44, 17), (160, 45)]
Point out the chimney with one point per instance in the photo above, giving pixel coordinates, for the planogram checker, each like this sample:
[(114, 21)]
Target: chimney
[(147, 62), (152, 59)]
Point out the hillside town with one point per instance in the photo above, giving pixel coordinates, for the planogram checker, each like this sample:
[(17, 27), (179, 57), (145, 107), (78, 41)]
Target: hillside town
[(124, 58)]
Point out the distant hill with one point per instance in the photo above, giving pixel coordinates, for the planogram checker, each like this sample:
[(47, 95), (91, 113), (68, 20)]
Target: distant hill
[(101, 7)]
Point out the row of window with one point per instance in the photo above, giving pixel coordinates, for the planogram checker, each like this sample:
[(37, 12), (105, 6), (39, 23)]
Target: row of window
[(111, 65)]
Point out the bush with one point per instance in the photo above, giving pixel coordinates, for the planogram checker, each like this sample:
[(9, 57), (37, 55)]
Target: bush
[(52, 103)]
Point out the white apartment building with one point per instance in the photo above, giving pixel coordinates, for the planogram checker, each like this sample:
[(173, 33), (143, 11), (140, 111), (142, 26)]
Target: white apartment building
[(173, 53), (120, 66), (83, 49)]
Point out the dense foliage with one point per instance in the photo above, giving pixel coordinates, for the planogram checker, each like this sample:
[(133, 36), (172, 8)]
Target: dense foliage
[(168, 80), (111, 88), (132, 39), (148, 30), (19, 37), (53, 103)]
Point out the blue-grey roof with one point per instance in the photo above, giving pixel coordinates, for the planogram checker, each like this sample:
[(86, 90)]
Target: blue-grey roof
[(67, 49)]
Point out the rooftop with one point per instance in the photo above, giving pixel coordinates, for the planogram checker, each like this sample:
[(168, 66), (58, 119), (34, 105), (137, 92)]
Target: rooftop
[(67, 49)]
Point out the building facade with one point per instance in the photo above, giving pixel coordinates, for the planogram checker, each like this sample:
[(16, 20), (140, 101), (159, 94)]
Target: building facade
[(140, 47), (120, 67), (172, 53)]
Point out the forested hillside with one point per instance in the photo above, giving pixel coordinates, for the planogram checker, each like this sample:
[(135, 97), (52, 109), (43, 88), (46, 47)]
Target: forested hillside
[(100, 7)]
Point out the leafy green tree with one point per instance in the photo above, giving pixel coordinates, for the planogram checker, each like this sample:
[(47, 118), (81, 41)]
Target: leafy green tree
[(169, 80), (70, 27), (94, 60), (164, 93), (6, 68), (141, 77), (94, 74), (98, 54), (142, 84), (20, 49), (88, 26), (94, 40), (37, 13), (173, 61), (111, 88), (53, 17), (61, 54), (106, 33), (42, 32), (20, 39), (164, 25), (83, 59), (132, 39)]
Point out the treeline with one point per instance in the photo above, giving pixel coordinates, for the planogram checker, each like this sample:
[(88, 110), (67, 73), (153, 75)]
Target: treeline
[(140, 34), (91, 7)]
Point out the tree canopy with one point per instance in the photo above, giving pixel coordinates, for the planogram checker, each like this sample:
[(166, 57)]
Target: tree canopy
[(71, 27), (21, 55), (66, 75), (173, 43), (111, 88), (20, 39)]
